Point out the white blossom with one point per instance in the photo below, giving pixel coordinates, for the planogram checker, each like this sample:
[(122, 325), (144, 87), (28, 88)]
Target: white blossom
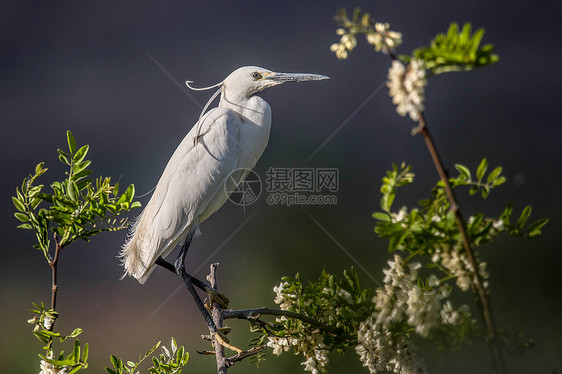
[(380, 351), (281, 298), (311, 346), (399, 217), (407, 87), (458, 265), (423, 310), (383, 39), (48, 322), (450, 316), (48, 368), (278, 344), (317, 362), (347, 43), (498, 225)]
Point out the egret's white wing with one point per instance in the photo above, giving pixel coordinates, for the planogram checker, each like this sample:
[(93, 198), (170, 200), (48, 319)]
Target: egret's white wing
[(191, 183)]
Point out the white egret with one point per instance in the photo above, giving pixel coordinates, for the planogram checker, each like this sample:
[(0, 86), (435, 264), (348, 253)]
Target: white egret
[(227, 138)]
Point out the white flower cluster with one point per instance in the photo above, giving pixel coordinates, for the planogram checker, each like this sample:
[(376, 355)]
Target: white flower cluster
[(380, 351), (48, 368), (380, 37), (457, 263), (400, 216), (407, 87), (281, 298), (401, 299), (347, 43), (383, 39), (311, 346), (450, 316)]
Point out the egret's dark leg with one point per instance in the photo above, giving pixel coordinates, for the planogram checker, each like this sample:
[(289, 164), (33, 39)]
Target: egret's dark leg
[(214, 294), (196, 282), (187, 280)]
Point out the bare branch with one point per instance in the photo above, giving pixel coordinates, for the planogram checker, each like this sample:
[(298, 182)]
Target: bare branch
[(240, 356), (482, 295), (217, 315), (254, 314)]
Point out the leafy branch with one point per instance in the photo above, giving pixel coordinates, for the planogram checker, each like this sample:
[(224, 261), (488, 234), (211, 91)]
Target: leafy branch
[(440, 230), (169, 361), (456, 51), (77, 207)]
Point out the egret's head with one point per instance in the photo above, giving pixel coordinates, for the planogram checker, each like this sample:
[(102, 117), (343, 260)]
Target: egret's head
[(248, 80)]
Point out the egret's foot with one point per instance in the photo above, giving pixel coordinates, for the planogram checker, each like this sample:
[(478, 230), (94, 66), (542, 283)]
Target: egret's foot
[(218, 297), (221, 339)]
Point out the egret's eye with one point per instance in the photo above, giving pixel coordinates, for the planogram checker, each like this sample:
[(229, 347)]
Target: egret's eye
[(256, 75)]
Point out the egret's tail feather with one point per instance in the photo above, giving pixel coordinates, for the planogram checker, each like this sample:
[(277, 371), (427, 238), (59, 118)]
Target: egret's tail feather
[(131, 257)]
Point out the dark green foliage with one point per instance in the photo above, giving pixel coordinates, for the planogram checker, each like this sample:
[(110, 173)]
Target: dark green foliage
[(339, 304), (432, 224), (77, 207), (170, 361), (43, 322), (456, 51)]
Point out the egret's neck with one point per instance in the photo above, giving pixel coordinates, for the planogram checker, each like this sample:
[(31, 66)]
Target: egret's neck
[(252, 107)]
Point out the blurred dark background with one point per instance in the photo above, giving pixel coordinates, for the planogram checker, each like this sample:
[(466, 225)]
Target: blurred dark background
[(85, 66)]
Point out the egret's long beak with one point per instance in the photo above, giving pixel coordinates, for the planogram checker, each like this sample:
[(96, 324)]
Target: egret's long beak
[(279, 78)]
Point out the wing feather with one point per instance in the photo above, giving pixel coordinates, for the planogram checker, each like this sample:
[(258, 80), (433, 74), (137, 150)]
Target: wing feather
[(192, 181)]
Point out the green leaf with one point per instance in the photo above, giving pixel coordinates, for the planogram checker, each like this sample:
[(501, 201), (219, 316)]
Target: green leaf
[(494, 174), (498, 181), (535, 228), (476, 39), (64, 157), (67, 362), (80, 166), (18, 204), (485, 191), (73, 191), (85, 352), (71, 142), (79, 367), (83, 174), (22, 217), (463, 170), (116, 362), (524, 216), (481, 170), (80, 154), (381, 216), (39, 169), (42, 336), (25, 226), (75, 333)]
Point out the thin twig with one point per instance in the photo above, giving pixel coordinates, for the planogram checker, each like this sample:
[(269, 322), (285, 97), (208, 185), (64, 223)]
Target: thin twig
[(240, 356), (252, 314), (54, 285), (482, 295)]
